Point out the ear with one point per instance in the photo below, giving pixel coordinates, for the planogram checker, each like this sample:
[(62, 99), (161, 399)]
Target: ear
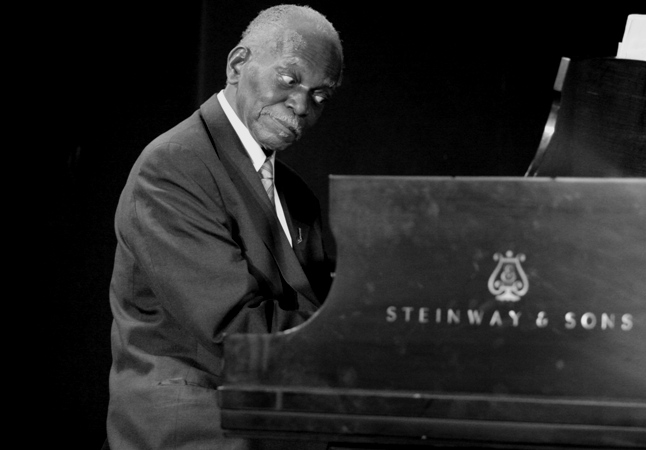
[(237, 58)]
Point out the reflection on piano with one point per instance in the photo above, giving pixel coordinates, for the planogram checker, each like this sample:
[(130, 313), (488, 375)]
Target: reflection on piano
[(465, 311)]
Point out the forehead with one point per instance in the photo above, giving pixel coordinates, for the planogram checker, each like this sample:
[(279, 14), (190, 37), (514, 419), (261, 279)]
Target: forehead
[(305, 50)]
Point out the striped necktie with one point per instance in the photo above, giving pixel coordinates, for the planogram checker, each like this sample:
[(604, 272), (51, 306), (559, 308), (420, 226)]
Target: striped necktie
[(266, 173)]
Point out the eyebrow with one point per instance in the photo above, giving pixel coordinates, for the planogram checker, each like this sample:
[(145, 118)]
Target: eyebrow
[(293, 62), (326, 84)]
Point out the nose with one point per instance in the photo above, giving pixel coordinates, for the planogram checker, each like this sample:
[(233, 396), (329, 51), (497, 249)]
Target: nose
[(298, 101)]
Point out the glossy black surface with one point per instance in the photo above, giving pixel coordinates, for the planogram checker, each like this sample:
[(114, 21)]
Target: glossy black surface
[(398, 352)]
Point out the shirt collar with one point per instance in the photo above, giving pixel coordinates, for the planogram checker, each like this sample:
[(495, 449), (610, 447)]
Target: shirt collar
[(253, 148)]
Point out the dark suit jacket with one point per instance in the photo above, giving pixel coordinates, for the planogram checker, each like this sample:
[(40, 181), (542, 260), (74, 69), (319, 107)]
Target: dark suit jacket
[(200, 254)]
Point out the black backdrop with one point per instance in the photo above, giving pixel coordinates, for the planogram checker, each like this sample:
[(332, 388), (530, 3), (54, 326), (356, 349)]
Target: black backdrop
[(450, 90)]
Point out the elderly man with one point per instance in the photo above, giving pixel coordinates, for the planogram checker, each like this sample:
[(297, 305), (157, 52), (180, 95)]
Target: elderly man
[(212, 240)]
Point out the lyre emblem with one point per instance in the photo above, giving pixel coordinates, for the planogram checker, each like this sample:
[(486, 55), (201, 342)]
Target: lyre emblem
[(508, 282)]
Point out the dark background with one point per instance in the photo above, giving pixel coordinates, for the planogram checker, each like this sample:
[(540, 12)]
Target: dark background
[(450, 90)]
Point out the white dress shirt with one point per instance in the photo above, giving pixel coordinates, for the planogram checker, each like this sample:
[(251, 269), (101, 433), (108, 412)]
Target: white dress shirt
[(256, 154)]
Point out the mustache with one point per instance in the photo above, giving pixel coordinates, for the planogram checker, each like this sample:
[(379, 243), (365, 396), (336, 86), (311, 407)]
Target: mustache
[(291, 122)]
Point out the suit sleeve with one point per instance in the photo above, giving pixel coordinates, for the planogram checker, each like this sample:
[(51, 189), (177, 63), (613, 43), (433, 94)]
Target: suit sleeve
[(180, 233)]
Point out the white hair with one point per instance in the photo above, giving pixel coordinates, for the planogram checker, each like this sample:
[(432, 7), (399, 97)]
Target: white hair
[(270, 29)]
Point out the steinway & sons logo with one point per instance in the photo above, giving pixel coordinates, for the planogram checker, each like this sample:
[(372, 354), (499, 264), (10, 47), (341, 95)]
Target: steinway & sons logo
[(508, 283)]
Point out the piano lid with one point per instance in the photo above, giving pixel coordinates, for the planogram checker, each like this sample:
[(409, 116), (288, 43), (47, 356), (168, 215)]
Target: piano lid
[(507, 310), (597, 123)]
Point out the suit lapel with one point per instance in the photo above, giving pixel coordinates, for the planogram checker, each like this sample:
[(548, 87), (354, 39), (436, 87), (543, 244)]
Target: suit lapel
[(240, 169)]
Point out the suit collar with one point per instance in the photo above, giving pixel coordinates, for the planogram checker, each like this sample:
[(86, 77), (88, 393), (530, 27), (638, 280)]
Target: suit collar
[(238, 165)]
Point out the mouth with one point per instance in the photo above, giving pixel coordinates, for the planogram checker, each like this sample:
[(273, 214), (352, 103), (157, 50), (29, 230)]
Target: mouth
[(288, 127)]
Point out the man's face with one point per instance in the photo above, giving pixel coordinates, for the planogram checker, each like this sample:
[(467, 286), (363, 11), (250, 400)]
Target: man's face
[(281, 93)]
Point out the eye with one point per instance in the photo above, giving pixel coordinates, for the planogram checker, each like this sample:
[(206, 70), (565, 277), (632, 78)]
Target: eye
[(320, 98), (290, 81)]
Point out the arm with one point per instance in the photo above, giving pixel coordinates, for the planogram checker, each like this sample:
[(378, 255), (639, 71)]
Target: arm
[(187, 245)]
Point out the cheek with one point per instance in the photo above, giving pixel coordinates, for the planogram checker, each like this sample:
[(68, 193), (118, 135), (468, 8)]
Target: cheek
[(253, 84), (259, 99), (313, 116), (249, 92), (261, 87)]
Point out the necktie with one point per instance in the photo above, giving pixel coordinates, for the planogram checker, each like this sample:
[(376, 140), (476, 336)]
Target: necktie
[(266, 173)]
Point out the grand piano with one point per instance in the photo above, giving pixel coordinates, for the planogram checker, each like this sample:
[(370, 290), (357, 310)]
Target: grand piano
[(481, 312)]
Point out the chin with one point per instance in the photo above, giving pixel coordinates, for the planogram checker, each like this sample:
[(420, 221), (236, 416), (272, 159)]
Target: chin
[(271, 140), (276, 148), (275, 145)]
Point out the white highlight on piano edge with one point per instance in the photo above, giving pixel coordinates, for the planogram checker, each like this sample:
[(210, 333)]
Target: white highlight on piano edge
[(476, 317)]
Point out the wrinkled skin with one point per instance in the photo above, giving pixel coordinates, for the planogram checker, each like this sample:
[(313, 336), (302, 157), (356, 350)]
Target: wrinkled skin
[(278, 94)]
